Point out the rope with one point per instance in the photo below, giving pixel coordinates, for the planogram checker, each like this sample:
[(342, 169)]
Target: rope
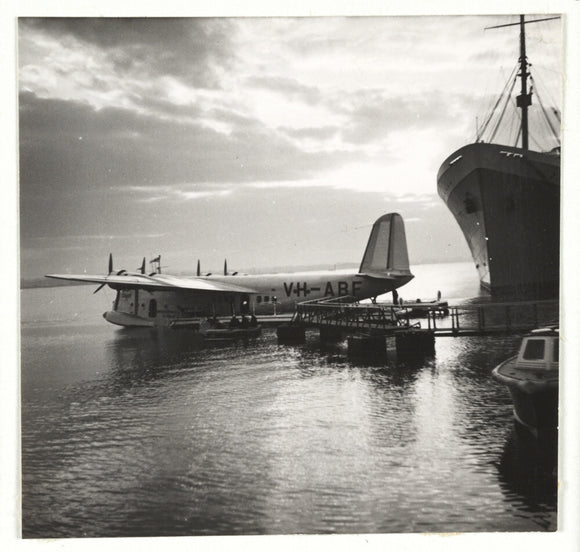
[(554, 133), (502, 112), (518, 137), (492, 112)]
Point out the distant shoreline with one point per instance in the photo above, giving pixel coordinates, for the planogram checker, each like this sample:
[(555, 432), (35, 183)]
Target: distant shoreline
[(49, 283)]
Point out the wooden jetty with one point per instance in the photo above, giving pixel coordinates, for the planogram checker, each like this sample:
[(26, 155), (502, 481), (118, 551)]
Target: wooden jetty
[(477, 319), (493, 318)]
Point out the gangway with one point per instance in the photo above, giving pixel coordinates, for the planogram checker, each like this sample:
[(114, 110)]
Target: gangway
[(348, 314)]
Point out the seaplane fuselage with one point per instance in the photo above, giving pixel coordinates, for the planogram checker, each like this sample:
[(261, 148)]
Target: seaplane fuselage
[(272, 294), (164, 300)]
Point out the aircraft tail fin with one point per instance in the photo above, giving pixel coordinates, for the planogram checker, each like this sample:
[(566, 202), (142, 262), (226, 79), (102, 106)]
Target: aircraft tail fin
[(386, 253)]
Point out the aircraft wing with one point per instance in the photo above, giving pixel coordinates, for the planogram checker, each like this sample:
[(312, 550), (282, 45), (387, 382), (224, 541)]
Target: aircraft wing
[(157, 281)]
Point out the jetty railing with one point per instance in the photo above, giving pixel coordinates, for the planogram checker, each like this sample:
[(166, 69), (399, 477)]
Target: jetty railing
[(486, 318), (345, 312)]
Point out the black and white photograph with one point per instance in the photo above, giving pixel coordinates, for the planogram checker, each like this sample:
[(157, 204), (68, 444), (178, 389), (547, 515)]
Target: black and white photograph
[(292, 274)]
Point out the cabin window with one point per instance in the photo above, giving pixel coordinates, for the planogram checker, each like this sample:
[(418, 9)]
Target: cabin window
[(556, 350), (259, 299), (267, 299), (534, 349), (152, 308)]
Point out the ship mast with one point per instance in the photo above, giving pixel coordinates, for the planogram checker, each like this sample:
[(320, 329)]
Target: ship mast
[(524, 100)]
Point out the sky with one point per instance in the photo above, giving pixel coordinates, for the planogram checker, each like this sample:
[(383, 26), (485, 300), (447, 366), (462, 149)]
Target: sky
[(272, 142)]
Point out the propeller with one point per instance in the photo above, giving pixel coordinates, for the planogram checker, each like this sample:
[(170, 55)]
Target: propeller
[(110, 272), (226, 273)]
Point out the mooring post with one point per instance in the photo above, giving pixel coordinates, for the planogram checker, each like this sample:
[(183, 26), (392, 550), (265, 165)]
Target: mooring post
[(330, 334), (415, 342), (290, 334)]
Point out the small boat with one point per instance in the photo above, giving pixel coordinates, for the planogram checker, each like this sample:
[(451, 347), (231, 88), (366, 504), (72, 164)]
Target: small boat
[(532, 380), (230, 334), (422, 308), (220, 329)]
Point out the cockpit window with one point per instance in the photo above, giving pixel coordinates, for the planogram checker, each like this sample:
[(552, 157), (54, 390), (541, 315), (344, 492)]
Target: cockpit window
[(534, 349)]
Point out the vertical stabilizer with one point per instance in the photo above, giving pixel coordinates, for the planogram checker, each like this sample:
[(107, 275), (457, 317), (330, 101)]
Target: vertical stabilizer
[(386, 252)]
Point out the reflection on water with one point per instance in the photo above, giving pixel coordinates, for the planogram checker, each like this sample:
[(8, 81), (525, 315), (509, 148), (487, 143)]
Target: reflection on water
[(152, 433), (528, 472)]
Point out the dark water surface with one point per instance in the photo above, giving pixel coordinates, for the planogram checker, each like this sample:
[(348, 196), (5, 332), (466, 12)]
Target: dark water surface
[(149, 433)]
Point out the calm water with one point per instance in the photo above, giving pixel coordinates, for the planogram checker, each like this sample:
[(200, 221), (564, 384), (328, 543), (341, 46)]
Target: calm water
[(143, 432)]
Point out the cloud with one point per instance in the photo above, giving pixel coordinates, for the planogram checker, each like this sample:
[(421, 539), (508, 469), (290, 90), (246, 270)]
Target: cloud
[(372, 116), (315, 133), (70, 145), (190, 49), (165, 193), (136, 127), (90, 237), (288, 87)]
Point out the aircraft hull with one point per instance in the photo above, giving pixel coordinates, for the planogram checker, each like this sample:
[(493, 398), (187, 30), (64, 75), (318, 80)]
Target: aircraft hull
[(275, 294), (127, 320), (166, 300)]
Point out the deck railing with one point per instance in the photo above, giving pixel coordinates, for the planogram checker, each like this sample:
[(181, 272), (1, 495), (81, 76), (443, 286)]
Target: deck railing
[(486, 318)]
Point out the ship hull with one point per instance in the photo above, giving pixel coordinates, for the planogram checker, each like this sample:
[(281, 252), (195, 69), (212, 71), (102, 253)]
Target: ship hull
[(507, 203)]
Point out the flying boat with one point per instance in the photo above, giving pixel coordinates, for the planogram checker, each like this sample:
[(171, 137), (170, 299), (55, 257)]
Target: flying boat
[(159, 299)]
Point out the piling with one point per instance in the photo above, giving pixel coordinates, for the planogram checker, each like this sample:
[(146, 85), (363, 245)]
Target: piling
[(368, 347), (330, 334), (415, 342), (291, 334)]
